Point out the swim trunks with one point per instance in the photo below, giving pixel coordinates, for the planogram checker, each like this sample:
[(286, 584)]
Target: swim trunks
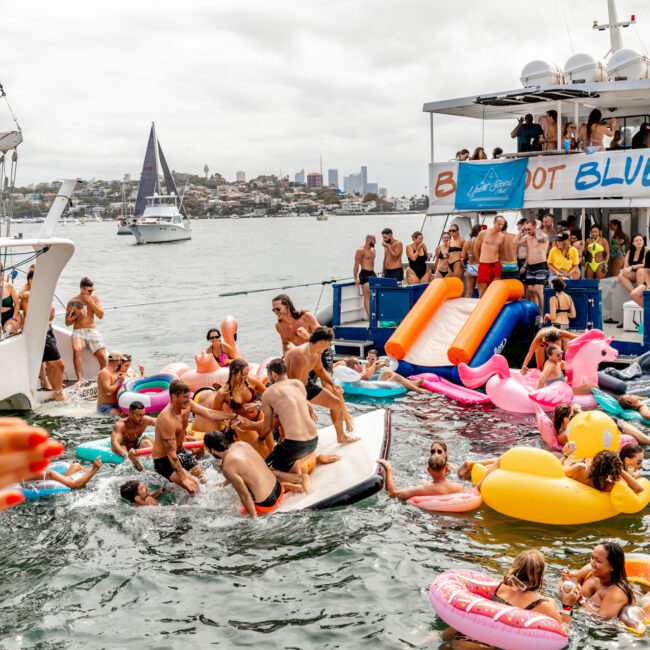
[(472, 270), (270, 503), (164, 467), (107, 409), (364, 275), (91, 337), (536, 273), (287, 452), (51, 351), (509, 271), (313, 389), (396, 274), (488, 271)]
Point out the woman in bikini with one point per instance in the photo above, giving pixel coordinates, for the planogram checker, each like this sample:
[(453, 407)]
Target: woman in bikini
[(9, 307), (241, 394), (417, 254), (569, 133), (617, 244), (471, 261), (442, 257), (561, 307), (596, 255), (590, 135), (634, 262), (221, 351), (456, 248), (553, 367)]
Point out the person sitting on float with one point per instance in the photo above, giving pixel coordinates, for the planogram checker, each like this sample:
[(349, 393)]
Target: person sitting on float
[(553, 367), (373, 366), (545, 337), (602, 472), (632, 457), (126, 369), (561, 306), (632, 270), (437, 470), (603, 585), (563, 260), (221, 351)]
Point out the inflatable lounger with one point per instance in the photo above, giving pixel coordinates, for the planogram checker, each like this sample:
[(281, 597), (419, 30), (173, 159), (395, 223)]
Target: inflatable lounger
[(610, 405), (353, 478)]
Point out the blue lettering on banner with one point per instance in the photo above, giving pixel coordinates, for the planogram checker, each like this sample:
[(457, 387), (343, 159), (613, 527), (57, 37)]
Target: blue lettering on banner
[(614, 180), (588, 169), (637, 169), (645, 179)]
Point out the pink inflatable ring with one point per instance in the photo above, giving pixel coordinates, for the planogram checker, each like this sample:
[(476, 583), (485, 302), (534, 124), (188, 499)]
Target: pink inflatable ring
[(463, 600), (459, 502)]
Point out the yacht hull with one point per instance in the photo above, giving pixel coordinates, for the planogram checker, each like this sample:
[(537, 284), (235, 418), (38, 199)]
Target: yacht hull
[(159, 233)]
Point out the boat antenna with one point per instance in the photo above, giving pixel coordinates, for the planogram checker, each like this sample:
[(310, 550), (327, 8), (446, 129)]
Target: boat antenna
[(614, 26), (157, 158)]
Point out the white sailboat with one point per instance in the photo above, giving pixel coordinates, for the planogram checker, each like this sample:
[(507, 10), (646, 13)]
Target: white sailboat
[(159, 217)]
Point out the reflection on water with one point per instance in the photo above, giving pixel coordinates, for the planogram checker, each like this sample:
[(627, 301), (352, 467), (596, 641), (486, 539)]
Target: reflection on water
[(85, 570)]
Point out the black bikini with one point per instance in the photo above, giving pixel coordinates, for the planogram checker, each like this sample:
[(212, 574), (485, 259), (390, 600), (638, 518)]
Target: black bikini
[(454, 249), (498, 599)]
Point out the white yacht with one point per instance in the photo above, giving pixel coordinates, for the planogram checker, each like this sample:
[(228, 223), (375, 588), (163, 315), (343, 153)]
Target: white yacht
[(159, 216)]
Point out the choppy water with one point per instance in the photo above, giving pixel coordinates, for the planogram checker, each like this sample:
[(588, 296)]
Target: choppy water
[(84, 570)]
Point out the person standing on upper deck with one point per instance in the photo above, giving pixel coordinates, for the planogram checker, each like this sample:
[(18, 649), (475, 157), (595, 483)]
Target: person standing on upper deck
[(550, 132), (364, 268), (392, 256), (528, 134), (536, 266), (488, 250)]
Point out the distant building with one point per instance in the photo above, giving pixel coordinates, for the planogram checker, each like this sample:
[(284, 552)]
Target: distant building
[(372, 187), (383, 192), (333, 177), (314, 179), (364, 178), (241, 177), (127, 178), (299, 177), (353, 184)]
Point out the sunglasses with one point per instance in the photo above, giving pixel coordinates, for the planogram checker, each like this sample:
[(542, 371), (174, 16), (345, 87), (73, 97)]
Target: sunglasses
[(214, 338), (453, 230), (437, 451), (276, 310)]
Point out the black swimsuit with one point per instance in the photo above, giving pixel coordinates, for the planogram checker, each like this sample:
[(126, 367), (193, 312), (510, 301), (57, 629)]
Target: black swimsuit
[(454, 249), (419, 265), (498, 599)]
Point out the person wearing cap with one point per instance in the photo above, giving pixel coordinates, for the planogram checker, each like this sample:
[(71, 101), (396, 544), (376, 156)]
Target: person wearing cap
[(563, 259), (109, 381)]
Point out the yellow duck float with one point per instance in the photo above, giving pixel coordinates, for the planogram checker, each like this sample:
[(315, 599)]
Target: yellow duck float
[(530, 483)]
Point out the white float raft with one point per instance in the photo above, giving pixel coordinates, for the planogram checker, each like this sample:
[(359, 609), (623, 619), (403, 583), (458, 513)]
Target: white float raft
[(353, 478)]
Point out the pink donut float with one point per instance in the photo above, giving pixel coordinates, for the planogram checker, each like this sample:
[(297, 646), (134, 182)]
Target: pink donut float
[(463, 600), (459, 502)]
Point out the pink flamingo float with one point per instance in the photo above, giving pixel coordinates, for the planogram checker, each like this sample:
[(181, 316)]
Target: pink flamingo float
[(510, 390)]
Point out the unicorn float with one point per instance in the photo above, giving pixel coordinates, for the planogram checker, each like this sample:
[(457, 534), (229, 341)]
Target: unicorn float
[(511, 391)]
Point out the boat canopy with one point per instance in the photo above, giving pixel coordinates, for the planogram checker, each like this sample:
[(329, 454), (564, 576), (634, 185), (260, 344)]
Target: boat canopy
[(614, 99)]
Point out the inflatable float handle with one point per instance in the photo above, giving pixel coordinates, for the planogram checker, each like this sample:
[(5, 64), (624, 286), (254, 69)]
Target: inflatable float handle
[(193, 444)]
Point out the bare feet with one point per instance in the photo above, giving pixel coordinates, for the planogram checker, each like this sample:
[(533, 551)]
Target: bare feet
[(58, 396), (326, 459), (80, 382), (346, 439), (306, 485), (133, 457), (293, 487), (349, 424)]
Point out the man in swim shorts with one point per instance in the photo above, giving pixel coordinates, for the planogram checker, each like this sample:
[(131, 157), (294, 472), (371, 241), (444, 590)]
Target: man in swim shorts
[(536, 266), (80, 314), (259, 489), (364, 268), (488, 251), (305, 360), (508, 259), (128, 434), (393, 248), (109, 381)]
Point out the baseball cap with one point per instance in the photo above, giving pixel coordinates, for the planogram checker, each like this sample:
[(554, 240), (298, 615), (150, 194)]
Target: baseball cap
[(562, 236), (115, 356)]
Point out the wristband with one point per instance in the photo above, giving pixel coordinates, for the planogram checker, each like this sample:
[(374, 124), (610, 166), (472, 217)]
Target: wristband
[(567, 610), (581, 601)]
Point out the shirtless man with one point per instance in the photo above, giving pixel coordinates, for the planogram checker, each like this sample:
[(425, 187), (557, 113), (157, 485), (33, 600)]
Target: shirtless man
[(128, 434), (536, 266), (364, 268), (258, 488), (392, 267), (170, 460), (80, 313), (305, 360), (488, 251), (138, 494), (508, 258), (286, 400), (109, 381)]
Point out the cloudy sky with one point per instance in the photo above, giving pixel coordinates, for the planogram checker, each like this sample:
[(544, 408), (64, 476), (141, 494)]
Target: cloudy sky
[(267, 86)]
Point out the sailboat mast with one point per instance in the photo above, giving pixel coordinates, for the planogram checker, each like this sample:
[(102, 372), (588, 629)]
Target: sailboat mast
[(155, 149)]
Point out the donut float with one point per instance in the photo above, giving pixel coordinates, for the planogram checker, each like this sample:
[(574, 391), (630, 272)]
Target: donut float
[(152, 392)]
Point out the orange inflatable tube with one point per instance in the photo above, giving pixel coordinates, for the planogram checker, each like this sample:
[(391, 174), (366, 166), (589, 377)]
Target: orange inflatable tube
[(421, 313), (474, 330), (229, 333)]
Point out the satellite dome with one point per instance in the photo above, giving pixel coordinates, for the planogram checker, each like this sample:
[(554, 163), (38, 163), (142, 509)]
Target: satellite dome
[(541, 73), (584, 68), (628, 64)]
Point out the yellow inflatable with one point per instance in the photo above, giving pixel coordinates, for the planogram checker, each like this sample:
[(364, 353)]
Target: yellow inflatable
[(593, 431), (530, 484)]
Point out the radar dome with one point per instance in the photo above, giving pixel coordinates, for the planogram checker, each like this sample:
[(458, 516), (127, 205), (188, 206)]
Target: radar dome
[(541, 73), (628, 64), (584, 68)]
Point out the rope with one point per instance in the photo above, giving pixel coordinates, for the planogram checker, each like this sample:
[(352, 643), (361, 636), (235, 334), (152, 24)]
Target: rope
[(227, 294), (319, 298)]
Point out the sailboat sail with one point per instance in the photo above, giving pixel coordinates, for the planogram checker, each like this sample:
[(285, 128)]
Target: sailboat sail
[(169, 179), (148, 177)]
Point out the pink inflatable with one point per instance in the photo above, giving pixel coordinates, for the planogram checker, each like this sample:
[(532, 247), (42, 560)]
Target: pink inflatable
[(459, 502), (229, 333), (463, 600), (207, 372), (176, 369), (437, 384), (262, 374)]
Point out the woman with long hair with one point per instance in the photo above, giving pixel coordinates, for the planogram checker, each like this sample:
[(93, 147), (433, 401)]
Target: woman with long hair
[(561, 306), (417, 255), (634, 265), (618, 243), (596, 255), (441, 265), (590, 135), (471, 261)]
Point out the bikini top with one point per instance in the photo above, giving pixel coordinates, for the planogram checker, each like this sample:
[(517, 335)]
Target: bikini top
[(595, 248), (455, 249), (236, 406), (498, 599), (561, 311), (8, 302), (441, 255), (637, 260)]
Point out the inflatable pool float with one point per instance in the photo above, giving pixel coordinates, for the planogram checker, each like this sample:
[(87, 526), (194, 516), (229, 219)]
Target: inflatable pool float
[(610, 405), (459, 502), (207, 372), (463, 600), (531, 485), (436, 384), (177, 369), (101, 448), (152, 391), (637, 567), (45, 488), (352, 384)]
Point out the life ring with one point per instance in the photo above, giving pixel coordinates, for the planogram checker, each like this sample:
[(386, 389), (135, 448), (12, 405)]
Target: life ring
[(459, 502), (152, 391), (463, 600)]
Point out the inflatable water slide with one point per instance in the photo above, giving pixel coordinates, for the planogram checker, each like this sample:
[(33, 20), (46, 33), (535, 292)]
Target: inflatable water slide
[(444, 329)]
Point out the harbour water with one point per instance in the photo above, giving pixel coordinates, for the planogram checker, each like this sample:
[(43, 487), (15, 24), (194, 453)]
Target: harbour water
[(85, 570)]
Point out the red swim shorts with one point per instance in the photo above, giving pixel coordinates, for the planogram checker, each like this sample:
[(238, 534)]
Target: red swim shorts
[(488, 271)]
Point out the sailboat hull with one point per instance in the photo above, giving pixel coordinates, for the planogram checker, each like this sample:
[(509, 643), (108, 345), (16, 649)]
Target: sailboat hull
[(160, 233)]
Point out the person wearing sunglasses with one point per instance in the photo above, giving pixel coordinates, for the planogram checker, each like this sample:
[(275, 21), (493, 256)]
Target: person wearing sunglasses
[(221, 351), (456, 247), (80, 314)]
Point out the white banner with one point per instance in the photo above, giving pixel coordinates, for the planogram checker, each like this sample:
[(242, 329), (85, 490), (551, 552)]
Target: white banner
[(606, 174)]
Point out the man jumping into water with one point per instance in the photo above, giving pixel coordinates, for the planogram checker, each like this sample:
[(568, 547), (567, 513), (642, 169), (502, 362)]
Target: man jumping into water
[(128, 434), (364, 268), (304, 364)]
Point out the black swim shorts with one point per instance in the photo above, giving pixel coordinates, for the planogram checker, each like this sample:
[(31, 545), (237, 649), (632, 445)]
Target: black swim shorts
[(313, 389), (51, 351), (286, 453), (397, 274), (364, 275), (164, 467)]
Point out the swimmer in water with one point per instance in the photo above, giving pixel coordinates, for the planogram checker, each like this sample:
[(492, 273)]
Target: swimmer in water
[(632, 458), (138, 494), (66, 478), (553, 367), (601, 473), (128, 434)]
